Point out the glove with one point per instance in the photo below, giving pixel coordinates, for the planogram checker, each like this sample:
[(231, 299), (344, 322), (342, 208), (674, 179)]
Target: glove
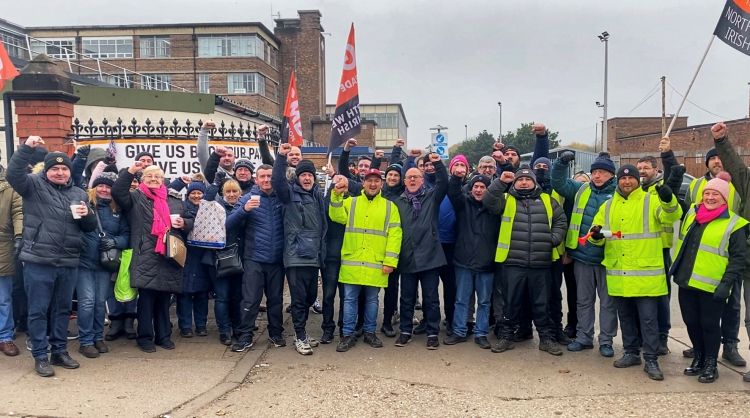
[(596, 232), (675, 175), (721, 294), (219, 178), (84, 150), (17, 245), (106, 244), (665, 193), (566, 157)]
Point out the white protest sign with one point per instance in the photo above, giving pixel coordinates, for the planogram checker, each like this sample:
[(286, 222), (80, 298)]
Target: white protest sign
[(177, 157)]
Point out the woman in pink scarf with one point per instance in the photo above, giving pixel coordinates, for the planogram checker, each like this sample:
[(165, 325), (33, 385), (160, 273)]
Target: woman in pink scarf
[(710, 259), (150, 209)]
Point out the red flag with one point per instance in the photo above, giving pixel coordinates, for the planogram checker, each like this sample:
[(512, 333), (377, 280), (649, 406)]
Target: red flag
[(7, 69), (291, 126), (346, 121)]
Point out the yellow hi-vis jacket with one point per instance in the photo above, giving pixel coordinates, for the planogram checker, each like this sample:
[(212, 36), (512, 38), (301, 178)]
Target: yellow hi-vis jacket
[(712, 257), (667, 232), (634, 262), (372, 238)]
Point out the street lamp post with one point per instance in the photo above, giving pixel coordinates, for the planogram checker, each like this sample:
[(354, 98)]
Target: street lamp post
[(466, 137), (604, 37), (500, 133), (604, 126)]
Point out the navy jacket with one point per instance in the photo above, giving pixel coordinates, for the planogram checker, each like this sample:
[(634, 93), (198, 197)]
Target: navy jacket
[(115, 225), (263, 227)]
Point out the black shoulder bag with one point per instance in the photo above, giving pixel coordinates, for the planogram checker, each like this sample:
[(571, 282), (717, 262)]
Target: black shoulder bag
[(110, 259)]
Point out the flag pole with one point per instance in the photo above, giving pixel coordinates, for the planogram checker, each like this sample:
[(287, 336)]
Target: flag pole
[(329, 179), (684, 98)]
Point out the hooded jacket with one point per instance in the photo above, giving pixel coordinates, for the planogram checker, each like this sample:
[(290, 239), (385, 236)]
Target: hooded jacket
[(262, 227), (11, 225), (476, 230), (50, 234)]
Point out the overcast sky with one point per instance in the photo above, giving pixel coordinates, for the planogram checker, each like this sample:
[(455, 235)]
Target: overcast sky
[(450, 62)]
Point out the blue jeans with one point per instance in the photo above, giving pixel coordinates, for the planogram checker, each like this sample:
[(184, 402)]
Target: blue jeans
[(192, 305), (6, 309), (227, 308), (92, 289), (351, 306), (50, 291), (467, 282)]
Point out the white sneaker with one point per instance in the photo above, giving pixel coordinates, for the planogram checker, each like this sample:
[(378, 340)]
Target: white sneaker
[(303, 347), (312, 342)]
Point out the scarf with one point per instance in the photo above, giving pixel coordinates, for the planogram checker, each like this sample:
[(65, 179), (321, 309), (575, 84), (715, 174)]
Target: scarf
[(413, 198), (705, 215), (161, 221)]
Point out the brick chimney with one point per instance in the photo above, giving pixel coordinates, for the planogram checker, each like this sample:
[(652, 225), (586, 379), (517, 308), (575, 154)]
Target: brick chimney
[(43, 97)]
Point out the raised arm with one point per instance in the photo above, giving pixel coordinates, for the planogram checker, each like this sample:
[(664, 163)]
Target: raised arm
[(278, 175), (18, 175), (121, 189), (344, 159), (263, 146), (494, 198), (441, 178), (455, 193), (203, 145), (541, 146), (731, 160), (561, 183)]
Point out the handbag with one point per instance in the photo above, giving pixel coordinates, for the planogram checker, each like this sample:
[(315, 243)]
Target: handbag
[(109, 259), (175, 248), (228, 261)]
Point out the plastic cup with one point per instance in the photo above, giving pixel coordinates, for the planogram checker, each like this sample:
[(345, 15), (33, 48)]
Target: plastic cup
[(255, 197), (74, 210)]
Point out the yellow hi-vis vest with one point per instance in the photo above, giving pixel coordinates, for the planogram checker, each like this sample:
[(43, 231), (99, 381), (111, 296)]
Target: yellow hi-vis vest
[(506, 226), (560, 201), (576, 217), (695, 191), (713, 252), (634, 262), (372, 238)]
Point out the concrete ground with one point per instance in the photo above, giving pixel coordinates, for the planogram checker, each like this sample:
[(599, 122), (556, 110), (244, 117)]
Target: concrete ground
[(204, 379)]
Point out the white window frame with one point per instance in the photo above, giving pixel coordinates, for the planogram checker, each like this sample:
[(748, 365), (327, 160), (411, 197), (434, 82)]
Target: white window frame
[(229, 45), (246, 83), (204, 83), (157, 46), (41, 45), (156, 81), (92, 46)]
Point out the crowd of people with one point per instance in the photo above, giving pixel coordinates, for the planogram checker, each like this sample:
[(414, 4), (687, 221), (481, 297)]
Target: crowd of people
[(501, 238)]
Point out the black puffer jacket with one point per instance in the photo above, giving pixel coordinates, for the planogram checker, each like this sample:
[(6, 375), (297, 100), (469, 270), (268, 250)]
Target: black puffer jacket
[(420, 245), (305, 219), (148, 270), (476, 230), (50, 234), (532, 239)]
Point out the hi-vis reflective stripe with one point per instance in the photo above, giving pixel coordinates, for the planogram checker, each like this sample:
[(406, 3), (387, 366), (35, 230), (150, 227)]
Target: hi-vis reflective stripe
[(337, 204), (394, 224), (366, 231), (607, 208), (503, 246), (392, 255), (505, 219), (646, 203), (694, 191), (383, 233), (575, 227), (351, 213), (387, 215), (704, 279), (725, 238), (646, 228), (361, 264), (657, 272)]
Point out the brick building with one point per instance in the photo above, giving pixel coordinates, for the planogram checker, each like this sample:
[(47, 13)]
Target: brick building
[(632, 138)]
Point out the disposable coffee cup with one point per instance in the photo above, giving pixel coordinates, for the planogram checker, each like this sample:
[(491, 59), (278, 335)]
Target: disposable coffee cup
[(174, 217), (255, 197), (74, 209)]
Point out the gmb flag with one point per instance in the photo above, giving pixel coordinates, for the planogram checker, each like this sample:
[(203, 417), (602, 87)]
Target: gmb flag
[(346, 121), (291, 126), (734, 25)]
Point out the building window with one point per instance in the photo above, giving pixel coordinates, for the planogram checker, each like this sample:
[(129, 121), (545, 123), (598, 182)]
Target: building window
[(155, 46), (246, 83), (110, 47), (274, 61), (230, 46), (156, 81), (204, 83), (60, 48), (13, 45), (120, 80)]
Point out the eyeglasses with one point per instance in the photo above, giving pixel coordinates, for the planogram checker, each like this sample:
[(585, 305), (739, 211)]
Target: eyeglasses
[(413, 177)]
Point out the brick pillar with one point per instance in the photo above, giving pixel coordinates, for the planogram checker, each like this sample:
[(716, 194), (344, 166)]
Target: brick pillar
[(43, 97)]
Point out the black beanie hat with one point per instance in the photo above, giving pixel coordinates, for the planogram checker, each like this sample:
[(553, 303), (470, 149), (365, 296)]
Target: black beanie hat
[(603, 162), (56, 158), (106, 177), (525, 172), (479, 178), (244, 162), (711, 153), (143, 154), (395, 166), (628, 170), (305, 166)]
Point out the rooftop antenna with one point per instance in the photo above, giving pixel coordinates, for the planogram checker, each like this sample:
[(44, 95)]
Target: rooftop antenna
[(276, 15)]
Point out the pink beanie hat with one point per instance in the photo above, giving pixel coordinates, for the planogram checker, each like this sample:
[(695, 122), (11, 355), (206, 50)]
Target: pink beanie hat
[(458, 158), (720, 184)]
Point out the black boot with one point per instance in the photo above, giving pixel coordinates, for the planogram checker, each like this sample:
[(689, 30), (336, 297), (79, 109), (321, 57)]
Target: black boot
[(130, 329), (710, 372), (731, 355), (697, 366), (663, 349), (652, 370), (116, 330)]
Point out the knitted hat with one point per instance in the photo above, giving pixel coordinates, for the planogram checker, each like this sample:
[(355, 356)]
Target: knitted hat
[(244, 162), (56, 158), (603, 162), (721, 184), (106, 177), (460, 158), (542, 160), (395, 166), (196, 185), (510, 148), (711, 153), (628, 170), (144, 154), (305, 166), (525, 172), (479, 178)]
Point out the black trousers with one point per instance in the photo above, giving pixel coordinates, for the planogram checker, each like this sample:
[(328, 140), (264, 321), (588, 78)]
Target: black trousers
[(702, 314), (635, 311), (448, 277), (730, 318), (571, 294), (429, 281), (519, 281), (331, 284), (259, 279), (303, 287), (390, 299), (497, 307), (20, 304), (153, 317)]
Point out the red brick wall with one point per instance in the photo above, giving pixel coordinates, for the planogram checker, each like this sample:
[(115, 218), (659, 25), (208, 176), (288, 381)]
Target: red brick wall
[(50, 119)]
